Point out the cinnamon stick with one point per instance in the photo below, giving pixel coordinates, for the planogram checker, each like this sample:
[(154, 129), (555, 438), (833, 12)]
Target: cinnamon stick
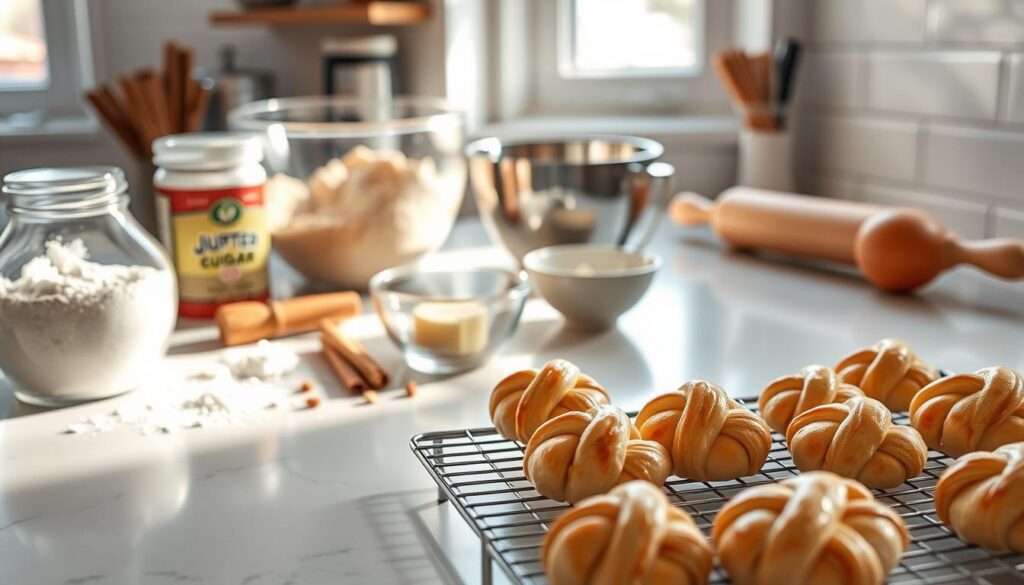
[(348, 377), (197, 108), (152, 84), (354, 353), (139, 111), (173, 86), (109, 110)]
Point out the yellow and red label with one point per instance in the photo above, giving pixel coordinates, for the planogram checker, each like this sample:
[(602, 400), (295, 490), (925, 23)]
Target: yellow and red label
[(220, 243)]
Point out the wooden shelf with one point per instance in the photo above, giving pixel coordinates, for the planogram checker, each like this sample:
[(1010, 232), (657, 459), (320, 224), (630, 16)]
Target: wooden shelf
[(378, 13)]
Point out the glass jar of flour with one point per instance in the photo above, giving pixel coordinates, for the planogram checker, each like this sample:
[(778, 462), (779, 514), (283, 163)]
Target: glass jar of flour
[(87, 298)]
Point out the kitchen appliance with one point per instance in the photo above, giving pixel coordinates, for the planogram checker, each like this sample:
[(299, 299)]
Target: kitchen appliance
[(359, 67), (588, 189), (231, 87)]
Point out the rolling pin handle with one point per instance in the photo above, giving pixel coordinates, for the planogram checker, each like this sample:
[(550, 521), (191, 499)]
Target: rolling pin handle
[(1002, 257), (691, 209)]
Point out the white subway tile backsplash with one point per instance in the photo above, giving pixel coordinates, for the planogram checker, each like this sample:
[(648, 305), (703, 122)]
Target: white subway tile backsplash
[(978, 21), (1009, 223), (831, 79), (829, 186), (965, 218), (843, 21), (1015, 89), (946, 83), (857, 145), (920, 103), (979, 161)]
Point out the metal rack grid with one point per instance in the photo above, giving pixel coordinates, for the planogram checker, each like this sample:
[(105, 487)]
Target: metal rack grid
[(481, 474)]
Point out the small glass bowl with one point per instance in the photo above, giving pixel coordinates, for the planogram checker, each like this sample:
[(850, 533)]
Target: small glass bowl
[(448, 321)]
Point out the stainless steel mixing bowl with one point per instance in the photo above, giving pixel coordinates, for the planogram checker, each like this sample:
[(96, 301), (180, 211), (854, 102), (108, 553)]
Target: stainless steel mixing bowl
[(594, 189)]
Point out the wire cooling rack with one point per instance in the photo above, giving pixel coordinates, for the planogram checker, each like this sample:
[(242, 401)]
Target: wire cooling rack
[(481, 474)]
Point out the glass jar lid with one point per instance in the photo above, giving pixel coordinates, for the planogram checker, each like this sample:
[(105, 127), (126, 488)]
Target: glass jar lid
[(64, 188)]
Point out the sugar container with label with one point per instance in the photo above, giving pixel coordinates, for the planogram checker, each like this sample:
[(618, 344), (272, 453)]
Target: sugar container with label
[(210, 215)]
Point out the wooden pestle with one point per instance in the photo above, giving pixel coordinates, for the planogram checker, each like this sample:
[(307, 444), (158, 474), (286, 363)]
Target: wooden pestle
[(248, 321), (896, 249)]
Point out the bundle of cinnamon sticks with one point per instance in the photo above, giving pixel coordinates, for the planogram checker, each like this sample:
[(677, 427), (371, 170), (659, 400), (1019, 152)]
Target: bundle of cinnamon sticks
[(357, 371), (146, 104)]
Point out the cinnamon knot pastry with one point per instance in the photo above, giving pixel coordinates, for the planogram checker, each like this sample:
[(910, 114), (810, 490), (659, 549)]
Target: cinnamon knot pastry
[(710, 436), (632, 535), (857, 439), (971, 412), (887, 371), (814, 528), (580, 454), (526, 399), (788, 396), (981, 498)]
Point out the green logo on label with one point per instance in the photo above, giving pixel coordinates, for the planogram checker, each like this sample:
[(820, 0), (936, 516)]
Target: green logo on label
[(225, 211)]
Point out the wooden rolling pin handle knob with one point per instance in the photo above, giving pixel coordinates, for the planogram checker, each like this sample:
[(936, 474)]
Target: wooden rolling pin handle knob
[(691, 209), (903, 249), (1003, 257)]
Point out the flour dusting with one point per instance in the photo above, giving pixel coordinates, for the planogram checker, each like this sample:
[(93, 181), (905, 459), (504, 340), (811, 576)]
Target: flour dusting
[(239, 389)]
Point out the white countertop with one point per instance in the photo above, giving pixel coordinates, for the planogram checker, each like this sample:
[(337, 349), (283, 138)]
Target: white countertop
[(334, 495)]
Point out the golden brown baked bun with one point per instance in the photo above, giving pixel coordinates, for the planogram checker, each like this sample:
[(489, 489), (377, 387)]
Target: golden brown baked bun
[(887, 371), (527, 399), (710, 436), (981, 498), (788, 396), (971, 412), (817, 528), (858, 440), (581, 454), (632, 535)]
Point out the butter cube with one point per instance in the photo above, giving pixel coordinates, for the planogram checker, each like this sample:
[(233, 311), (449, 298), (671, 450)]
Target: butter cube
[(456, 328)]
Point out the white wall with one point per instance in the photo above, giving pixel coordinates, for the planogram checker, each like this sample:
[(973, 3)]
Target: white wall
[(917, 102), (129, 34)]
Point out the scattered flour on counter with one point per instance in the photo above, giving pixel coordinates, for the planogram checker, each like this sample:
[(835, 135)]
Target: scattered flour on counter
[(264, 361), (234, 392)]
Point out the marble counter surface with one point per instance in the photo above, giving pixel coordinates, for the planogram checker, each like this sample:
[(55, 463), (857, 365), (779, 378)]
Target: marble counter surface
[(333, 494)]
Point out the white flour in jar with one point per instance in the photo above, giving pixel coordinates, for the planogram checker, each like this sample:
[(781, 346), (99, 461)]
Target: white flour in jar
[(79, 330)]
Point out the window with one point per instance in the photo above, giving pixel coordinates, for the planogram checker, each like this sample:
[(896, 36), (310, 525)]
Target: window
[(651, 38), (22, 45), (608, 58), (45, 63)]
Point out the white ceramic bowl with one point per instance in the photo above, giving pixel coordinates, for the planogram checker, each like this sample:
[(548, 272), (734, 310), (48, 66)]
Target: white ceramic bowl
[(592, 285)]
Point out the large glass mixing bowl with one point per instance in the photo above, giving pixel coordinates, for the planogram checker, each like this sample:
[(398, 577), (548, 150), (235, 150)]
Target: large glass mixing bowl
[(358, 187)]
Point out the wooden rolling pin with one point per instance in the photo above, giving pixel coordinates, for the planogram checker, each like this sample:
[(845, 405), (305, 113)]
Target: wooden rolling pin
[(897, 249), (248, 321)]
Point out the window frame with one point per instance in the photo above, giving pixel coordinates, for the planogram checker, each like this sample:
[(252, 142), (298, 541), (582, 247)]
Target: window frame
[(524, 84), (565, 33), (70, 67)]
